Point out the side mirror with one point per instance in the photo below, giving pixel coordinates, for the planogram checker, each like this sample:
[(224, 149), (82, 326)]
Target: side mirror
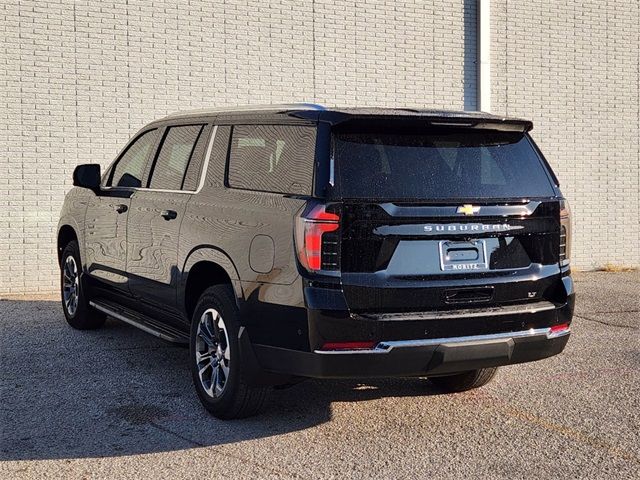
[(87, 176)]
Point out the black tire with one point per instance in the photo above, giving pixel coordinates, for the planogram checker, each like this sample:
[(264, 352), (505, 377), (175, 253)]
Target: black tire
[(461, 382), (82, 316), (237, 399)]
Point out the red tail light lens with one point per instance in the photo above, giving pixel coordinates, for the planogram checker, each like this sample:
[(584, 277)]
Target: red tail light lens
[(315, 243), (560, 328)]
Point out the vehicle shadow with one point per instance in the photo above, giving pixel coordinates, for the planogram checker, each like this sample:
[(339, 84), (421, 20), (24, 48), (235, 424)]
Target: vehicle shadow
[(118, 391)]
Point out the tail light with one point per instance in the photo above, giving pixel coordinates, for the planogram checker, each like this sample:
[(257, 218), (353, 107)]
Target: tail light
[(565, 233), (317, 238)]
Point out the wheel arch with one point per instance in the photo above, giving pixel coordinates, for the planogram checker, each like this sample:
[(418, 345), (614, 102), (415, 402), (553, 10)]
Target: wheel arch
[(66, 234), (204, 267)]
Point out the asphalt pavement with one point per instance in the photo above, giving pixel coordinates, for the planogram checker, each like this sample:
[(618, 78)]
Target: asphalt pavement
[(118, 403)]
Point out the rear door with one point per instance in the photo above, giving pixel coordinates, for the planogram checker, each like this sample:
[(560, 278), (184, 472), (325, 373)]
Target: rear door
[(157, 211), (444, 219)]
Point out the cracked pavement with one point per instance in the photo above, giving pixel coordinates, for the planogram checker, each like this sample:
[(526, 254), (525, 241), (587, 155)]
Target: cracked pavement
[(117, 403)]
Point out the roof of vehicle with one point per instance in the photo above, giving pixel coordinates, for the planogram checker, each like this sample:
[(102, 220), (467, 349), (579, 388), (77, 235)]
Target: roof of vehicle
[(335, 115)]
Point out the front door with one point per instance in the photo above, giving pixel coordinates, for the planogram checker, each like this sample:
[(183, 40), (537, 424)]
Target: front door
[(156, 215), (107, 214), (106, 238)]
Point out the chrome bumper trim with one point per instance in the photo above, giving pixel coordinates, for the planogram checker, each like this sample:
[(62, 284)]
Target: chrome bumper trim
[(387, 346), (518, 309)]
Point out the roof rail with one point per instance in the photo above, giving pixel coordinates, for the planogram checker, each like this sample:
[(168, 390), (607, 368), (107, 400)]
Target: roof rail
[(249, 108)]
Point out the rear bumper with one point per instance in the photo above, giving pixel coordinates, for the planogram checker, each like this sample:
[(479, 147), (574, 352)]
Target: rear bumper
[(422, 343), (330, 319), (417, 357)]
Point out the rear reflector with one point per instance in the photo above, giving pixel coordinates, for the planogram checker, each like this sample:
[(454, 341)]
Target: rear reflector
[(348, 346), (558, 330)]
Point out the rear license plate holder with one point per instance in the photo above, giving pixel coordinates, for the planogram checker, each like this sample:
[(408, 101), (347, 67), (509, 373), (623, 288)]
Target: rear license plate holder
[(463, 256)]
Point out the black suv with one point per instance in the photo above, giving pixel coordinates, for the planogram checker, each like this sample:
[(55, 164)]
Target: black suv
[(296, 241)]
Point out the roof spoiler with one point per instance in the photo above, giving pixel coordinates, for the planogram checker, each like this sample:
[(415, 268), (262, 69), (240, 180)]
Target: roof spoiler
[(355, 122), (504, 125)]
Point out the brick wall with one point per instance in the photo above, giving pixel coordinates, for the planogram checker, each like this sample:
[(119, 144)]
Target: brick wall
[(78, 78), (573, 68)]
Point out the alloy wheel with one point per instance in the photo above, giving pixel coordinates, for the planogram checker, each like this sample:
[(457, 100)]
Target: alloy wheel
[(70, 285), (212, 353)]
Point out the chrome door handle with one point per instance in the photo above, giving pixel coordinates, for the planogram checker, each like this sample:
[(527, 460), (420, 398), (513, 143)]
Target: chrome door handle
[(168, 214)]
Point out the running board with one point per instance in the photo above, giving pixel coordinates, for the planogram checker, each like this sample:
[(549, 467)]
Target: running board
[(144, 323)]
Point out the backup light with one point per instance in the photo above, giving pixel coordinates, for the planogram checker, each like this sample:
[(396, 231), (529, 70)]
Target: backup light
[(565, 233)]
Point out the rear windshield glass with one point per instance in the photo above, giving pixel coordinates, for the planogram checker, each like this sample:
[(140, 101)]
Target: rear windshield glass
[(450, 164)]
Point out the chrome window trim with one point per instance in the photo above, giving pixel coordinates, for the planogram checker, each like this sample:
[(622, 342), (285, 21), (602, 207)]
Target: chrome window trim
[(205, 167), (203, 174), (386, 346)]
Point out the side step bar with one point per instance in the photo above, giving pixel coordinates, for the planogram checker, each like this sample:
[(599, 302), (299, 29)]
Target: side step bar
[(144, 323)]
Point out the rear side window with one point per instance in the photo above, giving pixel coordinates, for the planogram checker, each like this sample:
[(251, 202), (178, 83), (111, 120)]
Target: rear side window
[(171, 164), (272, 158), (194, 170), (452, 164), (129, 168)]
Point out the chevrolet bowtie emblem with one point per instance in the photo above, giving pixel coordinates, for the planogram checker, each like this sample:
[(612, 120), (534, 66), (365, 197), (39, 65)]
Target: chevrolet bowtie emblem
[(468, 209)]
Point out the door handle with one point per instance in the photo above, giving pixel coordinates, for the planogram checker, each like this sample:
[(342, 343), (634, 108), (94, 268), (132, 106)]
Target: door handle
[(168, 214), (120, 208)]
